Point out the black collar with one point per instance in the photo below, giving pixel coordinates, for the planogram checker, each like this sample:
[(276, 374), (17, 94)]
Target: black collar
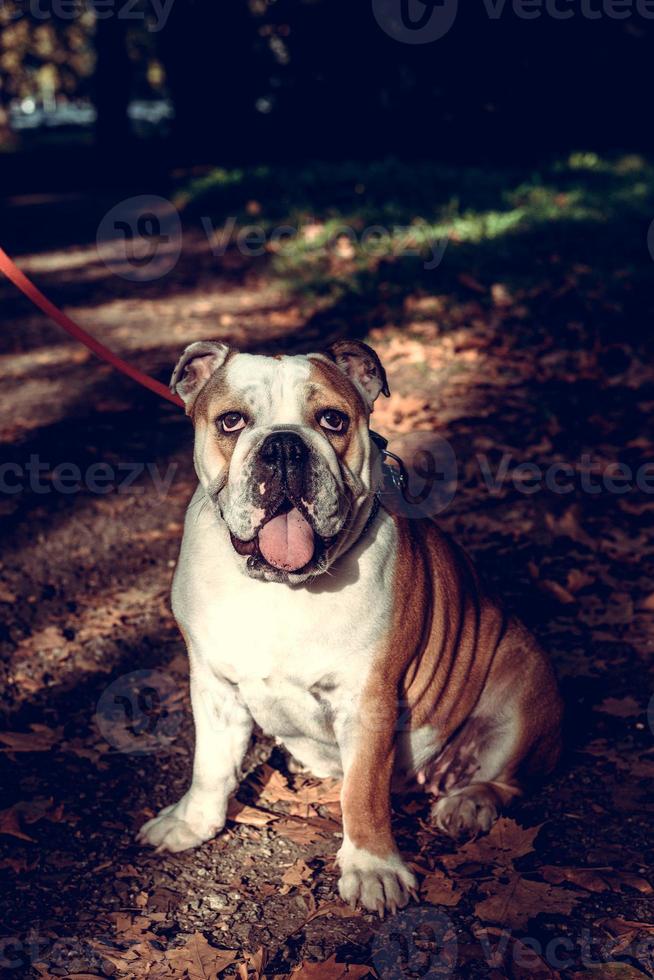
[(376, 504), (400, 479)]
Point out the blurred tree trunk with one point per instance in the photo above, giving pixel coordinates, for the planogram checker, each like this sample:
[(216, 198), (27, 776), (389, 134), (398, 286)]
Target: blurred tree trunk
[(112, 88), (207, 48)]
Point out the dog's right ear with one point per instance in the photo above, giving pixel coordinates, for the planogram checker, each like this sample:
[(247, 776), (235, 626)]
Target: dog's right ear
[(195, 367)]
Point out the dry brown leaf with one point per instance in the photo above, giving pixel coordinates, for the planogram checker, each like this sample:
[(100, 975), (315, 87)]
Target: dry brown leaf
[(578, 579), (569, 526), (505, 842), (28, 811), (626, 707), (197, 960), (295, 876), (132, 927), (513, 900), (331, 970), (526, 964), (438, 889), (307, 831), (18, 865), (274, 785), (560, 593), (249, 815), (610, 971), (40, 739), (517, 957), (625, 927), (403, 413), (337, 908), (124, 960), (596, 879), (10, 824), (84, 976), (298, 832), (253, 965), (306, 792)]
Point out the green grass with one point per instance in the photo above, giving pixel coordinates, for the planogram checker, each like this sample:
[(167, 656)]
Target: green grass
[(504, 223)]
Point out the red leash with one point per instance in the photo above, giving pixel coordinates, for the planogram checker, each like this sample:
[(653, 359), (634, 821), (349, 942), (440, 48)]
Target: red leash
[(28, 289)]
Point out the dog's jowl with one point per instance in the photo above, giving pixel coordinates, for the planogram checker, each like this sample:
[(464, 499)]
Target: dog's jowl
[(364, 642)]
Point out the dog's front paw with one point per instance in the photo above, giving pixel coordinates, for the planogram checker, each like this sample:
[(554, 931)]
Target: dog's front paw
[(179, 827), (379, 884)]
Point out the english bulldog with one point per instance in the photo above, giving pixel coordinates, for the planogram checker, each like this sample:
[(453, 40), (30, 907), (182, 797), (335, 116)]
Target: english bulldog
[(362, 641)]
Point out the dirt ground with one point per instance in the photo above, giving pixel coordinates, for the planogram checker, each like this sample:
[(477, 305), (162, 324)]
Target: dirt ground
[(97, 730)]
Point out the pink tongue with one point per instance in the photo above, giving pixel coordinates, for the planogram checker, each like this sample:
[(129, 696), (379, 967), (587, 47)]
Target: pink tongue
[(287, 541)]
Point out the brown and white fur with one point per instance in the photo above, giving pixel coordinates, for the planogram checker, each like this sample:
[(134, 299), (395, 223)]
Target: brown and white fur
[(382, 661)]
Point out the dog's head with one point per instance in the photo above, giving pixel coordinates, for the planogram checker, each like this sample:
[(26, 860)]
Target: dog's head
[(283, 450)]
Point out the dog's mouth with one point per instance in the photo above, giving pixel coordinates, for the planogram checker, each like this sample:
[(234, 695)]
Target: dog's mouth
[(285, 541)]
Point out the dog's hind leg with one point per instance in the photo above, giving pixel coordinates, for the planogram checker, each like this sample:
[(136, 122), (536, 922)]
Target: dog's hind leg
[(472, 778), (513, 734), (480, 771)]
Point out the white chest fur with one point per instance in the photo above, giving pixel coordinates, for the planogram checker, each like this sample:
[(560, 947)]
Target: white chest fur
[(298, 655)]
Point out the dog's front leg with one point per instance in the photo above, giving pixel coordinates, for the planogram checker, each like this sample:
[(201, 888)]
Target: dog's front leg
[(372, 871), (223, 727)]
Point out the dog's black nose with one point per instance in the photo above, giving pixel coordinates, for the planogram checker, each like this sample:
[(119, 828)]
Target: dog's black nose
[(284, 450)]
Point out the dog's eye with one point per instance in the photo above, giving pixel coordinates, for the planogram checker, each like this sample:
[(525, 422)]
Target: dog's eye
[(232, 421), (333, 420)]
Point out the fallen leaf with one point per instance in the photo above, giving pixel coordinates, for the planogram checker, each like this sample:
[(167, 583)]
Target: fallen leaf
[(306, 791), (560, 593), (526, 964), (625, 927), (513, 900), (298, 874), (249, 815), (596, 879), (132, 927), (306, 831), (197, 960), (18, 865), (253, 962), (438, 889), (40, 739), (338, 909), (516, 956), (578, 580), (610, 971), (506, 841), (331, 970), (568, 526), (28, 811), (10, 824), (626, 707)]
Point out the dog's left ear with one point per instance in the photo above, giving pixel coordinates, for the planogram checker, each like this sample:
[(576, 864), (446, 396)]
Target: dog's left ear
[(362, 366), (195, 367)]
